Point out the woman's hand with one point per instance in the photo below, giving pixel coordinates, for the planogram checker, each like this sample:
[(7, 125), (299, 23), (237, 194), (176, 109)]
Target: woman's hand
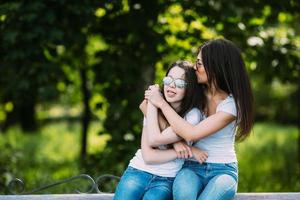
[(182, 150), (199, 155), (154, 95)]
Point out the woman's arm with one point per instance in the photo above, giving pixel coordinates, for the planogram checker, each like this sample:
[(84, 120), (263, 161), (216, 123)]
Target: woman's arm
[(155, 156), (154, 134), (182, 128)]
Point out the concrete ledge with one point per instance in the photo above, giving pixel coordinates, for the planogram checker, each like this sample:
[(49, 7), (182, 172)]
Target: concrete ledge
[(268, 196), (59, 197), (239, 196)]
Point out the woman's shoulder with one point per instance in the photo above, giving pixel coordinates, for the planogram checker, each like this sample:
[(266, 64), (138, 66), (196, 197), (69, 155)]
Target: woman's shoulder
[(228, 105)]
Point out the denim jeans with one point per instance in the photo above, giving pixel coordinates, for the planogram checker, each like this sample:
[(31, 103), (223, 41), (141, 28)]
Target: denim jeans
[(207, 181), (136, 184)]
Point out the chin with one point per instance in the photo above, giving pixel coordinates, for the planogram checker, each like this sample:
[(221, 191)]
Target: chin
[(169, 100)]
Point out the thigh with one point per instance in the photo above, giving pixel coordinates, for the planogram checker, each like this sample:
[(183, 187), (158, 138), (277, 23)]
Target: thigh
[(220, 187), (160, 189), (187, 185), (132, 184)]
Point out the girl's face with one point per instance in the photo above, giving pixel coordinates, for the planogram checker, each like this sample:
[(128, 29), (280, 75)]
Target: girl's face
[(174, 86), (200, 70)]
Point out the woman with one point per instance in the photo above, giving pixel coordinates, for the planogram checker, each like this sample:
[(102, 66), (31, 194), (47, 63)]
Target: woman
[(151, 171), (228, 116)]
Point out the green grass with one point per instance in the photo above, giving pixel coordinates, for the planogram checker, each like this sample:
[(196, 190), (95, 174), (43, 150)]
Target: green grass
[(267, 159), (48, 155)]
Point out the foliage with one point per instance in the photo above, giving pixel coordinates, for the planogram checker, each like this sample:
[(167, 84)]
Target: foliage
[(97, 57)]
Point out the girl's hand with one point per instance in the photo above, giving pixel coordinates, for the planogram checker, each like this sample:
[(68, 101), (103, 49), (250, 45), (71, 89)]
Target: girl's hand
[(154, 95), (199, 155), (182, 150)]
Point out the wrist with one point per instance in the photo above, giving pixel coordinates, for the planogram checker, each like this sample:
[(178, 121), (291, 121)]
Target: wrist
[(162, 104)]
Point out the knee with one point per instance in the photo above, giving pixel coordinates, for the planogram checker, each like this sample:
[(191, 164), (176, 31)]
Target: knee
[(221, 187), (226, 182), (128, 187)]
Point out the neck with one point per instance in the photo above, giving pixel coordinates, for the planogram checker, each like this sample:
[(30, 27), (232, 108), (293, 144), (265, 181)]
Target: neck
[(211, 90), (214, 92), (175, 106)]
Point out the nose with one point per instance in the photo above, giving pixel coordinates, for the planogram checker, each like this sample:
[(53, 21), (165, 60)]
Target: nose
[(195, 67), (173, 84)]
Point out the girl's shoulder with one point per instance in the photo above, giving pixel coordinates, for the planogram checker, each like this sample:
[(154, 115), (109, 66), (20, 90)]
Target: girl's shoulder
[(194, 116)]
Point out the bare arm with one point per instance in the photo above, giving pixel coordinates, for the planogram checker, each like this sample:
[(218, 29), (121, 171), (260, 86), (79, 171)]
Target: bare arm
[(143, 107), (155, 156), (182, 128), (155, 136)]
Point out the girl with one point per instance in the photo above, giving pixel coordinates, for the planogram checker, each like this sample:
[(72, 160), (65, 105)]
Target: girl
[(151, 171), (228, 116)]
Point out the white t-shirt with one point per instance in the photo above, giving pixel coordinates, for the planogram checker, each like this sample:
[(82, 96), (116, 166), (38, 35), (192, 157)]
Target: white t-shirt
[(168, 169), (220, 145)]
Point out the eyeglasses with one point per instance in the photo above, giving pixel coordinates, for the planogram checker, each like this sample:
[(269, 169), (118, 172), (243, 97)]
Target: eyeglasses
[(179, 83)]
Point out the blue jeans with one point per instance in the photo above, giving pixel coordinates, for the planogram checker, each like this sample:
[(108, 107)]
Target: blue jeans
[(136, 184), (207, 181)]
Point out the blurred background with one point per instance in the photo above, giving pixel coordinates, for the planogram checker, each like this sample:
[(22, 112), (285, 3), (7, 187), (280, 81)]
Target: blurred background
[(72, 74)]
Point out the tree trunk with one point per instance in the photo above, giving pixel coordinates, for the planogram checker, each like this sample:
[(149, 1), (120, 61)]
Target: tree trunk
[(298, 110), (86, 115), (27, 116)]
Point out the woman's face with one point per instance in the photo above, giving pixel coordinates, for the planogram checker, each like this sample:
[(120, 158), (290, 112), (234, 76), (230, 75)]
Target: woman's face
[(174, 94), (200, 70)]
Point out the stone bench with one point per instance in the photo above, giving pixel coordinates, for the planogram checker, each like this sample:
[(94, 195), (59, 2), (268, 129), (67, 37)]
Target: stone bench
[(108, 196)]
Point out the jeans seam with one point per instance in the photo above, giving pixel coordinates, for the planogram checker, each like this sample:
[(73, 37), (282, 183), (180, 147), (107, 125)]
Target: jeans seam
[(149, 184)]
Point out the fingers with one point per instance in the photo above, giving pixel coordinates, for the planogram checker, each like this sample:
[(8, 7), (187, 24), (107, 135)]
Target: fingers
[(202, 157), (185, 152), (190, 152), (182, 154), (152, 87)]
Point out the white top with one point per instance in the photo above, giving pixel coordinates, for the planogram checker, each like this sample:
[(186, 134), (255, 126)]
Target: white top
[(168, 169), (220, 145)]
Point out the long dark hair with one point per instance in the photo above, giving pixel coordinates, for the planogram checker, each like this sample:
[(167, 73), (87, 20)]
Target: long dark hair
[(194, 93), (226, 70)]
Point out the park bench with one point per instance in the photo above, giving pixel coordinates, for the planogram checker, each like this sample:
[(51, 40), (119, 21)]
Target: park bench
[(96, 194)]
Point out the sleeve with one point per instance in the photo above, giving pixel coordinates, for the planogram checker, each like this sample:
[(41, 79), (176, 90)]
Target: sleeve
[(194, 116), (228, 107)]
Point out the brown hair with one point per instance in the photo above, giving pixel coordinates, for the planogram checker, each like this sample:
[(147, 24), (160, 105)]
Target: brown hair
[(226, 70)]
